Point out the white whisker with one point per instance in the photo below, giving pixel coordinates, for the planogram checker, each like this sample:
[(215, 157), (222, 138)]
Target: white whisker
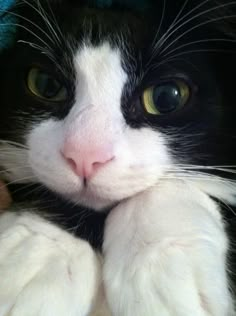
[(27, 29), (45, 18), (28, 20), (20, 180), (199, 42), (12, 143), (192, 28)]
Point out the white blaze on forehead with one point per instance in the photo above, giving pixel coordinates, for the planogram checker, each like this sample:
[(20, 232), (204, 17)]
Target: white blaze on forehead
[(100, 77)]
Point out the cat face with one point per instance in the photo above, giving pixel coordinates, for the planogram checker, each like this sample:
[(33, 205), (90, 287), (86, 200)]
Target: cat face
[(106, 104)]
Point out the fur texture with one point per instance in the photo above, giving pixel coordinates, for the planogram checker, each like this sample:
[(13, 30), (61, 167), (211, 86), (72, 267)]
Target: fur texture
[(159, 184)]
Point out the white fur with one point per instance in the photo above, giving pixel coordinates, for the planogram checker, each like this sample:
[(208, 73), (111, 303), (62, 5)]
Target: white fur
[(165, 254), (96, 117), (44, 270)]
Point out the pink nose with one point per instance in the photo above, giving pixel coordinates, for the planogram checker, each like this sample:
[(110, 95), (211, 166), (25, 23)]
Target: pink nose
[(84, 160)]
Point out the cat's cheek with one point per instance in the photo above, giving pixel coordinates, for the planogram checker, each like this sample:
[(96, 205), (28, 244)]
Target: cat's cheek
[(44, 142), (141, 159)]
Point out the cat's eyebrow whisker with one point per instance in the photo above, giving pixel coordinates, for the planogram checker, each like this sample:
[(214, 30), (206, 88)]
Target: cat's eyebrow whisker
[(198, 51), (161, 21), (27, 29), (45, 18), (155, 44), (43, 50), (199, 42), (169, 59), (178, 19), (176, 39), (55, 22), (28, 20), (161, 43), (48, 22)]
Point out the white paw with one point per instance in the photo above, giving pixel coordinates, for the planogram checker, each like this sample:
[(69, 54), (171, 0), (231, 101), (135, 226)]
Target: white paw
[(165, 254), (44, 271)]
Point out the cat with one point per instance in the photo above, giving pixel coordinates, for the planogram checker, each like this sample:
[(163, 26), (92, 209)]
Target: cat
[(118, 146)]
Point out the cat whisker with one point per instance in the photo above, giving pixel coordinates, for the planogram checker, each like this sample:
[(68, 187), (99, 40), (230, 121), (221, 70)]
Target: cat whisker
[(224, 169), (197, 51), (26, 186), (41, 49), (28, 20), (161, 43), (227, 206), (16, 152), (13, 169), (162, 63), (45, 18), (156, 43), (12, 143), (161, 21), (34, 190), (19, 181), (202, 177), (199, 42), (27, 29), (55, 22), (176, 39), (178, 19), (202, 167)]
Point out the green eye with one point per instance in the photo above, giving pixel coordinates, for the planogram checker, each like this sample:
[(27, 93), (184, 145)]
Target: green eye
[(44, 86), (166, 98)]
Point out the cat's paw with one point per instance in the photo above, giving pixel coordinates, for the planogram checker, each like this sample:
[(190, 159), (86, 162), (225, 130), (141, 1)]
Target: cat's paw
[(44, 271), (166, 257)]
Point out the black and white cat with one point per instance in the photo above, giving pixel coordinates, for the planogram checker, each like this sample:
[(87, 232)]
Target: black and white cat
[(124, 118)]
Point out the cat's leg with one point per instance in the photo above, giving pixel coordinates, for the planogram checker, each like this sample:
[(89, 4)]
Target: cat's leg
[(44, 271), (165, 254)]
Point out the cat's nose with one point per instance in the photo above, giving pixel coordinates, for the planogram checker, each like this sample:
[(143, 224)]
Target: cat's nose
[(86, 160)]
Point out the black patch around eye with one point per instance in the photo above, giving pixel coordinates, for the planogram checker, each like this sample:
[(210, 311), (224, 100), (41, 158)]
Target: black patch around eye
[(202, 107)]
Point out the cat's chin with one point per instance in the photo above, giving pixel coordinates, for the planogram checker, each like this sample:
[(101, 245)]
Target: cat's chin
[(93, 200)]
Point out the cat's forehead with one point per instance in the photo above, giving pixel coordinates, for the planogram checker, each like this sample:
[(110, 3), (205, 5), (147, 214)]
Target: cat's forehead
[(77, 23)]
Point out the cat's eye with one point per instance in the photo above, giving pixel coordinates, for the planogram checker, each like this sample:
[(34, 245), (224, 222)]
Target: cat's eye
[(45, 86), (166, 97)]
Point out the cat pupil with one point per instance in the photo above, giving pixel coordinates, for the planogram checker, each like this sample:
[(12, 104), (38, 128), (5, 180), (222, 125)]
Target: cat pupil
[(167, 98), (47, 85)]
